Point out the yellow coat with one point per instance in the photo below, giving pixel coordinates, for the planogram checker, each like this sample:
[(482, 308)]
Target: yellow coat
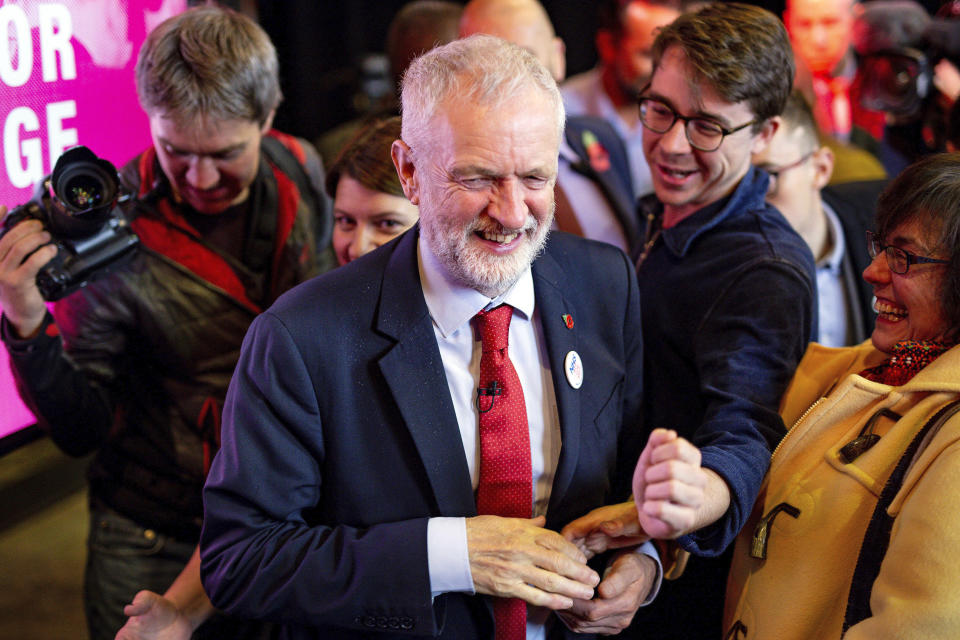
[(799, 591)]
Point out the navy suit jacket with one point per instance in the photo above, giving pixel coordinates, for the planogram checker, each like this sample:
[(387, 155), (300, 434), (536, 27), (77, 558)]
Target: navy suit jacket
[(855, 204), (340, 440)]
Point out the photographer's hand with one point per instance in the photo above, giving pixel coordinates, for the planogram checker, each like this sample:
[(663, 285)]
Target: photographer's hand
[(20, 298)]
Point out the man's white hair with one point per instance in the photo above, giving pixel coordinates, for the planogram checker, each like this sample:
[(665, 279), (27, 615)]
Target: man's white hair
[(484, 69)]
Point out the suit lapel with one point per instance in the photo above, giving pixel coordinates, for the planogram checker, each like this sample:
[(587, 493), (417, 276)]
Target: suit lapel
[(619, 195), (414, 372), (554, 309)]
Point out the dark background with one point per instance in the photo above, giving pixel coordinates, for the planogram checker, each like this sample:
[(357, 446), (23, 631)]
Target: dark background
[(321, 46)]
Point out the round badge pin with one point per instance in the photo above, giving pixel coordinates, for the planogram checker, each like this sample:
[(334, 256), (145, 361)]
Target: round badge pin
[(573, 368)]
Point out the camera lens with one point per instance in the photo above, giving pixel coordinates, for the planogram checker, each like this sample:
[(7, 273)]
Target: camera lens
[(893, 81), (83, 191), (84, 183)]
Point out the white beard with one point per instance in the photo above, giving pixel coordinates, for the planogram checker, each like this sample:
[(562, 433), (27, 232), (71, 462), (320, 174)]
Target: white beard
[(457, 250)]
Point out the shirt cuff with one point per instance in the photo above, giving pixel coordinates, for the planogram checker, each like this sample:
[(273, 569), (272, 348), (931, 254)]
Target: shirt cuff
[(447, 556), (649, 549)]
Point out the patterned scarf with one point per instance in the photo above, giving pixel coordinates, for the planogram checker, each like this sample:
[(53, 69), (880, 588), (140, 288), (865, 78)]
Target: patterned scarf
[(908, 357)]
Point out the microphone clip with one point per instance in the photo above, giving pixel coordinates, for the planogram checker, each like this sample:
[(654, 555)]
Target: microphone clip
[(493, 389)]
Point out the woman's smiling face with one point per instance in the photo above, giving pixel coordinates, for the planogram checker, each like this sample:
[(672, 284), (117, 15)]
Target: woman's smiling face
[(908, 305)]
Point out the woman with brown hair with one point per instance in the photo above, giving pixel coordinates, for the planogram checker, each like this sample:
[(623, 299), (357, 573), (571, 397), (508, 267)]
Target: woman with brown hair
[(369, 207), (855, 532)]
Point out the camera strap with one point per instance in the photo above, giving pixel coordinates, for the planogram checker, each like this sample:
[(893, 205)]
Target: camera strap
[(291, 166)]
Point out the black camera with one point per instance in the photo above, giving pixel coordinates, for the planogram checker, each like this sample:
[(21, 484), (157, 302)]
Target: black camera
[(900, 44), (896, 81), (77, 204)]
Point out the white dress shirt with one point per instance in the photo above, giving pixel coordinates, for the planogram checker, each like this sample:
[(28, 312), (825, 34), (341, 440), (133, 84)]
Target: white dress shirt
[(451, 307), (831, 291)]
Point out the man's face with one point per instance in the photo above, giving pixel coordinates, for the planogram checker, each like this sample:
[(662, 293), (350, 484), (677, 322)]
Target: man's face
[(821, 31), (210, 163), (686, 179), (630, 55), (796, 176), (484, 183)]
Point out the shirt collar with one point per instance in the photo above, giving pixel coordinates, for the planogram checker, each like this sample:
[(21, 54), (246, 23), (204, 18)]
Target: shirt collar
[(747, 196), (451, 305), (833, 260)]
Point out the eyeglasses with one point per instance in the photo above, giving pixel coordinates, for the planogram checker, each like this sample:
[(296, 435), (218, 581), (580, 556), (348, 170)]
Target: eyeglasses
[(899, 260), (702, 134), (776, 171)]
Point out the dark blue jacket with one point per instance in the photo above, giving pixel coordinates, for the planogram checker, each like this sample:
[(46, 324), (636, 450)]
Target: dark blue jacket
[(340, 440), (728, 297)]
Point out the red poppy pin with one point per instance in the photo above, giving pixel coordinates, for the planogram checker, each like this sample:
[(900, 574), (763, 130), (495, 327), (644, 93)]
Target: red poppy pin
[(598, 155), (567, 320)]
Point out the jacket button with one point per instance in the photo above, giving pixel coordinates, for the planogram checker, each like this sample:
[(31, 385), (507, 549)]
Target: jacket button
[(370, 621)]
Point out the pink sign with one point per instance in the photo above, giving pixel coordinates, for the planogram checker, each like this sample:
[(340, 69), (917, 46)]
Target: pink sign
[(66, 78)]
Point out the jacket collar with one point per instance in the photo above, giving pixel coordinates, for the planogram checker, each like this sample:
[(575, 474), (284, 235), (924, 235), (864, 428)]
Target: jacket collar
[(748, 196), (414, 371)]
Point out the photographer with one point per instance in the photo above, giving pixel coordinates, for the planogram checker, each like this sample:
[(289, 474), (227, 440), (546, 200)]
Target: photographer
[(908, 71), (136, 364)]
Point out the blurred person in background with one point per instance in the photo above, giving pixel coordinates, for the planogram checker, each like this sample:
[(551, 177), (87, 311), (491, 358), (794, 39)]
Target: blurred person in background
[(907, 70), (821, 32), (832, 221), (623, 40)]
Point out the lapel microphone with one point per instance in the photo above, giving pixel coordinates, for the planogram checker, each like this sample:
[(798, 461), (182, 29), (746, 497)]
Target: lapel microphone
[(493, 389)]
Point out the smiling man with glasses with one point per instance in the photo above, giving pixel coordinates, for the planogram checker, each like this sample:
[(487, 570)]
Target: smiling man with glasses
[(831, 220), (727, 292)]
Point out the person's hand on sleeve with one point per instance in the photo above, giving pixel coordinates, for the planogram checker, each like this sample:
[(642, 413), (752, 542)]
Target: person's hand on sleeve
[(611, 527), (518, 558), (669, 486), (20, 298), (153, 617), (625, 586)]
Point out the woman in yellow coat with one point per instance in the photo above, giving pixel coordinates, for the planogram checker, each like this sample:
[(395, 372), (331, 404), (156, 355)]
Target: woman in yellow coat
[(854, 413)]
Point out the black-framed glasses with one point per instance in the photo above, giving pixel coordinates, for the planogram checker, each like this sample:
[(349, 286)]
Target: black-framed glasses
[(899, 260), (702, 134)]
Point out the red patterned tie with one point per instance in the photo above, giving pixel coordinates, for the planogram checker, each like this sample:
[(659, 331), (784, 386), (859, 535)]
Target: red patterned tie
[(506, 480)]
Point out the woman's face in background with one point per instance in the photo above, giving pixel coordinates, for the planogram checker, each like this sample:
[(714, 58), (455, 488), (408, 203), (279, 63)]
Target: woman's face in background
[(364, 219)]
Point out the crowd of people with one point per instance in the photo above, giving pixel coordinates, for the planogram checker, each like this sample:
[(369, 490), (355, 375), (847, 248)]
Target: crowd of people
[(518, 356)]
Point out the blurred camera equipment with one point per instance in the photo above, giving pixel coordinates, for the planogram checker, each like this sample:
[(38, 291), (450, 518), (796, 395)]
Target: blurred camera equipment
[(895, 62), (77, 204)]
